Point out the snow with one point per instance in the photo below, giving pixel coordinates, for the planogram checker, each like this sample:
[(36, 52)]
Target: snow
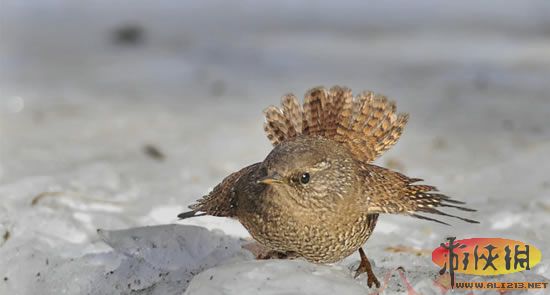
[(275, 277), (160, 259), (78, 110)]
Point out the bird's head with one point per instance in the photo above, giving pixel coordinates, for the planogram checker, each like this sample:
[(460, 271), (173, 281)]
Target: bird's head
[(310, 170)]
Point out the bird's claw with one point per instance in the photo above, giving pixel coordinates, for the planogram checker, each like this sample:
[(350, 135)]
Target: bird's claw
[(371, 278), (365, 266)]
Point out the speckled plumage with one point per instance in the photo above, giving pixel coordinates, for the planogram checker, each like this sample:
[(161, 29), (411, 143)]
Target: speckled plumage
[(332, 138)]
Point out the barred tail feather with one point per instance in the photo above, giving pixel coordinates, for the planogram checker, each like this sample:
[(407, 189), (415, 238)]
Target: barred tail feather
[(293, 115), (368, 125)]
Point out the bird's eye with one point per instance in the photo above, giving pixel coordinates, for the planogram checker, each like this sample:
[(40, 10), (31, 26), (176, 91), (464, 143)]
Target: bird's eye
[(304, 178)]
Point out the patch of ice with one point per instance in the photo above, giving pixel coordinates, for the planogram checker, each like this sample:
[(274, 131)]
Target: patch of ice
[(173, 246), (147, 260), (274, 277)]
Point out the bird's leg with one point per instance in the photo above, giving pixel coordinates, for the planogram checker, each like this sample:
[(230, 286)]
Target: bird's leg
[(365, 266)]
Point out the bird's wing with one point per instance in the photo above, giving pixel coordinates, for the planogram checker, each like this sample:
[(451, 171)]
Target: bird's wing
[(392, 192), (367, 124), (221, 200)]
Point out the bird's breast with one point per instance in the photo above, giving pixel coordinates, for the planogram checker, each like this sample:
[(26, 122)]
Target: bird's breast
[(321, 235)]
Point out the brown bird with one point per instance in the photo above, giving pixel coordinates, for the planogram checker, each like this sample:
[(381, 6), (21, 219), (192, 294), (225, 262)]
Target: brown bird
[(316, 195)]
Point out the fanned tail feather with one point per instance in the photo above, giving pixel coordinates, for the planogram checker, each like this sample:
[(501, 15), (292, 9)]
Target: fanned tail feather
[(368, 125)]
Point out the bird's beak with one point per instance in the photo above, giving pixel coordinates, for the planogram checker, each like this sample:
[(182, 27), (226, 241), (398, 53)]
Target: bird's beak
[(271, 179)]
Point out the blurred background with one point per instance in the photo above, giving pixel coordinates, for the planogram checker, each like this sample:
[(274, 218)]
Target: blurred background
[(116, 114)]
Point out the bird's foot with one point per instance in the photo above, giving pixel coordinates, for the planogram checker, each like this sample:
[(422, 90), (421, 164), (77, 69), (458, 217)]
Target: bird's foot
[(272, 254), (263, 253), (365, 266), (371, 278)]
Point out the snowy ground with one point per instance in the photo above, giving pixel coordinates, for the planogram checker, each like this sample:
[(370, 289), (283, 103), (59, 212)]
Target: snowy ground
[(79, 105)]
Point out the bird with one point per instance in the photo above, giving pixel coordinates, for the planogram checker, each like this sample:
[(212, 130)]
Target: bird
[(317, 195)]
